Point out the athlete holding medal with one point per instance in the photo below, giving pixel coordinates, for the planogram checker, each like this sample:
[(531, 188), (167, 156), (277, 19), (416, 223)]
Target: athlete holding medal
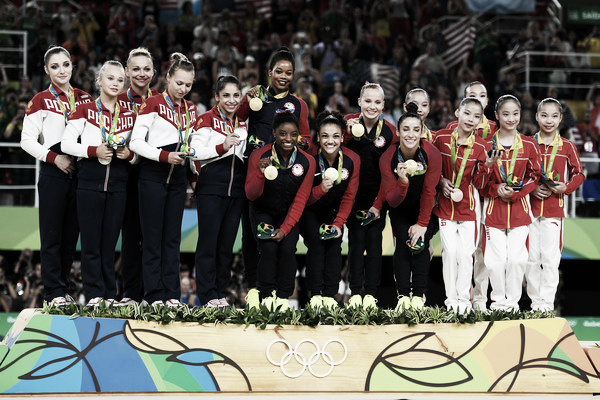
[(465, 170), (410, 173), (43, 127), (277, 201), (160, 136), (140, 70), (369, 136), (329, 205), (95, 133), (561, 174), (220, 142), (506, 211)]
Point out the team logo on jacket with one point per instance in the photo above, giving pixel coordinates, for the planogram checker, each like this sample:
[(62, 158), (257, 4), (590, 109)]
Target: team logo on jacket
[(345, 174), (298, 170), (289, 107), (380, 141)]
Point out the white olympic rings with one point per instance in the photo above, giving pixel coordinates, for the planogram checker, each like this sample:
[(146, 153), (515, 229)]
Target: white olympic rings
[(300, 359)]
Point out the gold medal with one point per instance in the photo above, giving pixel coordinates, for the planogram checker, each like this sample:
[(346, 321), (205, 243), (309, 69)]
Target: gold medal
[(331, 173), (411, 167), (255, 104), (271, 172), (358, 130), (456, 195)]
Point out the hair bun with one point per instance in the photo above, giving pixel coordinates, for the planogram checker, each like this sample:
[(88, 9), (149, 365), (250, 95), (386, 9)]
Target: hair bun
[(178, 57), (412, 107)]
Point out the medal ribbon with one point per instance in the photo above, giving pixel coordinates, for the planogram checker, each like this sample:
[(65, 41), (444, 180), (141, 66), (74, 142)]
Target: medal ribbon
[(278, 164), (113, 124), (421, 156), (427, 134), (457, 178), (339, 168), (509, 179), (134, 106), (182, 138), (265, 95), (70, 96), (485, 126), (377, 132), (547, 172), (235, 124)]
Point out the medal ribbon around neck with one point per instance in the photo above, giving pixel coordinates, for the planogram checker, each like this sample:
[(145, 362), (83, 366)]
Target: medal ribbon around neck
[(457, 177), (265, 95), (421, 156), (113, 123), (278, 164), (427, 134), (547, 172), (70, 96), (508, 178), (377, 132), (339, 167), (485, 126), (134, 106), (182, 138), (225, 121)]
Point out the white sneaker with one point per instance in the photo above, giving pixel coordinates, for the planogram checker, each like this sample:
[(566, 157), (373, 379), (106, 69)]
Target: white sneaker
[(125, 301), (173, 303), (154, 303), (59, 302), (223, 302), (95, 302), (213, 303)]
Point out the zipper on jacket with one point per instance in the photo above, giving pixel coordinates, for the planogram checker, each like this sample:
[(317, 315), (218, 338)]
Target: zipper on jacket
[(231, 175)]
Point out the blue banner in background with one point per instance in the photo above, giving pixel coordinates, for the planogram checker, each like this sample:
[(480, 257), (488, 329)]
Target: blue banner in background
[(501, 6)]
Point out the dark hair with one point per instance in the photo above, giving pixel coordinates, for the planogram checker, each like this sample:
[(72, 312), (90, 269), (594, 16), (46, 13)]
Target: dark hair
[(411, 112), (179, 61), (281, 118), (329, 117), (282, 53), (473, 84), (503, 99), (139, 51), (549, 100), (470, 100), (224, 80), (52, 50)]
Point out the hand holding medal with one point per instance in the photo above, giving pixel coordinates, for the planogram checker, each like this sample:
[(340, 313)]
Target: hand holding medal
[(187, 151), (327, 232)]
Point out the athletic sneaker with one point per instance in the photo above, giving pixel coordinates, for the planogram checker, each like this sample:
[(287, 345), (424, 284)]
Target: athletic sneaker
[(95, 302), (70, 299), (223, 302), (417, 303), (355, 301), (330, 303), (283, 304), (59, 302), (316, 301), (269, 302), (212, 303), (154, 303), (369, 302), (253, 298), (125, 301), (403, 303), (479, 306), (173, 303)]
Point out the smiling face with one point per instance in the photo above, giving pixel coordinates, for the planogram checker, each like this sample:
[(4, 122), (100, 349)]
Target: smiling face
[(549, 118), (111, 80), (286, 137), (422, 102), (330, 139), (59, 69), (469, 117), (479, 92), (409, 133), (229, 99), (179, 84), (141, 71), (509, 115), (281, 75), (371, 103)]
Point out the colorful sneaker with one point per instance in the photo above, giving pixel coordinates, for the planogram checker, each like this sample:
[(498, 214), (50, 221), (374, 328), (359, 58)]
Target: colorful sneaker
[(173, 303), (223, 302), (253, 298), (316, 302), (125, 301), (95, 302), (59, 302), (403, 304), (330, 303), (417, 303), (355, 301), (369, 302), (283, 304)]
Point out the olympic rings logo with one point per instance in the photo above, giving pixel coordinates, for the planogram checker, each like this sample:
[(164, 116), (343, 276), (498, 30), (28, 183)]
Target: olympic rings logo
[(301, 359)]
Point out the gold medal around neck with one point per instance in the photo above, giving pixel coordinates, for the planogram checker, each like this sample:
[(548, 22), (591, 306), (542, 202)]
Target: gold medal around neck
[(456, 195), (411, 167), (255, 104), (271, 173), (358, 130), (331, 173)]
